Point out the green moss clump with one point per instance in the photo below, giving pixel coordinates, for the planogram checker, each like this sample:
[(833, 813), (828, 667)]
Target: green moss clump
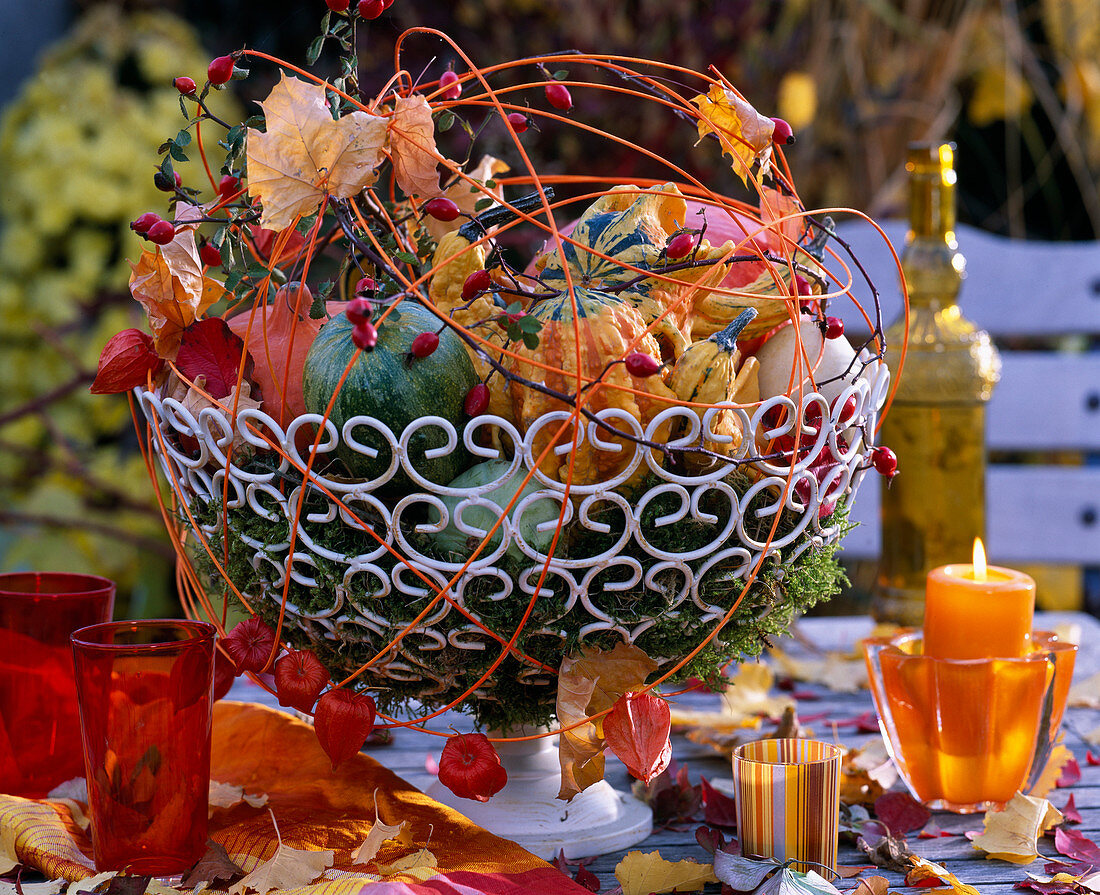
[(349, 618)]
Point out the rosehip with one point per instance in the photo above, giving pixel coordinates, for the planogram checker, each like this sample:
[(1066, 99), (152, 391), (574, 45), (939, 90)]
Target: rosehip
[(885, 461), (558, 96), (641, 365), (210, 255), (518, 121), (424, 344), (834, 327), (450, 85), (371, 9), (184, 85), (364, 335), (442, 209), (680, 245), (142, 224), (338, 5), (477, 400), (802, 285), (358, 311), (365, 284), (179, 179), (220, 70), (478, 281), (782, 132), (848, 410), (162, 233), (228, 186)]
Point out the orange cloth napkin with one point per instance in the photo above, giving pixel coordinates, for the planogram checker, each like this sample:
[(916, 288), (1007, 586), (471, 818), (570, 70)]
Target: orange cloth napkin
[(270, 753)]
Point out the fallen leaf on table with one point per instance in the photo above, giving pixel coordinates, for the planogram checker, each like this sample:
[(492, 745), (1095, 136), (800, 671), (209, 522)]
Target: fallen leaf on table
[(1059, 755), (719, 810), (213, 867), (1070, 774), (1085, 694), (588, 685), (866, 773), (901, 812), (421, 865), (671, 796), (750, 877), (1012, 834), (837, 671), (229, 795), (288, 868), (742, 874), (378, 833), (872, 885), (1076, 845), (923, 869), (1070, 812), (644, 873), (884, 850), (748, 693), (1062, 882), (46, 887)]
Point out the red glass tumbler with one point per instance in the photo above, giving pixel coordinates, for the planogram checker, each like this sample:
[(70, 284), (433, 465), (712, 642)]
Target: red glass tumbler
[(39, 723), (145, 712)]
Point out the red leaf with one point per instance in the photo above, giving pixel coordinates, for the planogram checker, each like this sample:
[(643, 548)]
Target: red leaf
[(1091, 759), (343, 720), (1069, 810), (931, 830), (211, 349), (637, 730), (125, 362), (264, 241), (470, 767), (1071, 773), (587, 879), (250, 644), (718, 808), (299, 679), (1076, 845), (901, 812)]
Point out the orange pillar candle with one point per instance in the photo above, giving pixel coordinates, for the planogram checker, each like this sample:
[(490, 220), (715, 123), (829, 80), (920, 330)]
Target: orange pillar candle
[(976, 611)]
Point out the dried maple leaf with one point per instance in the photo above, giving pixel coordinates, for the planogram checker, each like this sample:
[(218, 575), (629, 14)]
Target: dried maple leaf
[(923, 869), (412, 147), (305, 154), (1012, 834), (288, 868), (171, 303), (745, 134), (836, 671), (644, 873), (590, 685), (378, 833)]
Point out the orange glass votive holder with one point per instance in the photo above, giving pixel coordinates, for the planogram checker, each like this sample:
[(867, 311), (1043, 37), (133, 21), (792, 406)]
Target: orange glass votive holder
[(967, 734)]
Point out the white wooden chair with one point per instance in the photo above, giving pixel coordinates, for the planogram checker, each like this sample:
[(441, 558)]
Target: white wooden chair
[(1040, 302)]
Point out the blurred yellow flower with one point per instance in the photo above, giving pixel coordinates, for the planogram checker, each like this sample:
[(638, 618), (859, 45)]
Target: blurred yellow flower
[(797, 99)]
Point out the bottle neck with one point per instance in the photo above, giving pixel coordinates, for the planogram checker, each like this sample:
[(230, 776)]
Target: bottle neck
[(933, 266)]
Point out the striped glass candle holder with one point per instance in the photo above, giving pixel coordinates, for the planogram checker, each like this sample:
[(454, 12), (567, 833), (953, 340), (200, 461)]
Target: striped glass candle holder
[(788, 801)]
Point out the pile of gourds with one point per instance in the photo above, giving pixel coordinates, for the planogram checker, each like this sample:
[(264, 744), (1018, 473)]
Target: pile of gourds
[(612, 290)]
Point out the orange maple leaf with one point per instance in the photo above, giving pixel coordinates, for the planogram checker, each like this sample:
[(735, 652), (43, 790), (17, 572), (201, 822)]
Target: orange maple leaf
[(412, 147), (171, 302), (745, 134), (306, 154)]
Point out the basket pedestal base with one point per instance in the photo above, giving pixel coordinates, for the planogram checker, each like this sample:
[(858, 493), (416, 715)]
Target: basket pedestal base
[(598, 821)]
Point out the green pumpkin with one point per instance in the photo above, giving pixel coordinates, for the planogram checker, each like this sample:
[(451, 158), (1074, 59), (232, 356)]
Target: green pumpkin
[(385, 384), (452, 542)]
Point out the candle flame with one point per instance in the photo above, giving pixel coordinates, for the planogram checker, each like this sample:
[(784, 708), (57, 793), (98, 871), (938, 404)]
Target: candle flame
[(980, 567)]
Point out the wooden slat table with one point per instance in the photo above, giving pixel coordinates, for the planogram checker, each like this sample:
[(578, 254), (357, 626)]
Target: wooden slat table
[(409, 752)]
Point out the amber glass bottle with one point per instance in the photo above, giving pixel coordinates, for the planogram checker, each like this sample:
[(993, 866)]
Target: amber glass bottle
[(935, 506)]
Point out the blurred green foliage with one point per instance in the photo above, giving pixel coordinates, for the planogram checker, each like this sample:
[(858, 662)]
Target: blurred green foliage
[(78, 148)]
